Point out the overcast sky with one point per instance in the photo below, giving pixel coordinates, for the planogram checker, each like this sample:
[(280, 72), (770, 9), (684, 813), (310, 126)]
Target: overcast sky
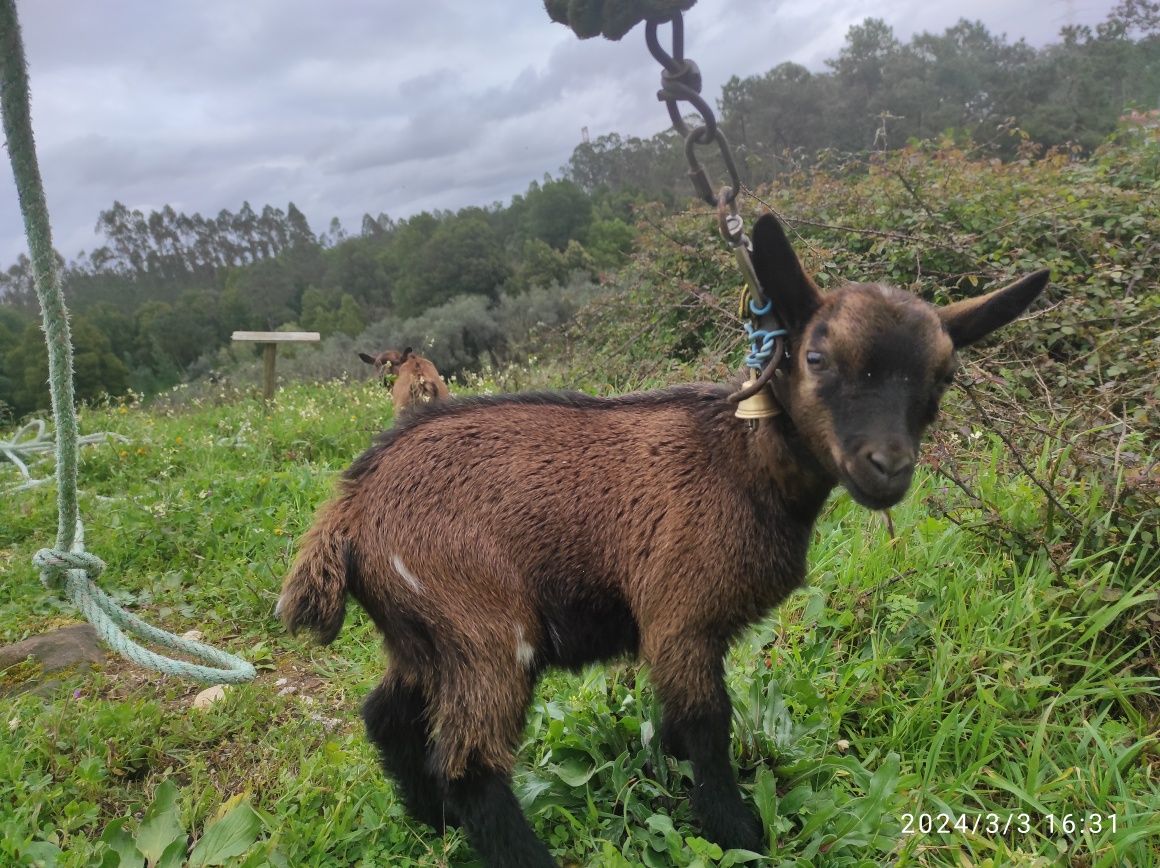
[(349, 107)]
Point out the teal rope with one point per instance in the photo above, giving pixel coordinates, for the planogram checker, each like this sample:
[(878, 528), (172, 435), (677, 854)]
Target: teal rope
[(25, 443), (32, 440), (68, 567)]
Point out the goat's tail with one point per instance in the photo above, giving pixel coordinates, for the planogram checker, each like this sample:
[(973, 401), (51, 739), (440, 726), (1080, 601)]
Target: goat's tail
[(314, 591)]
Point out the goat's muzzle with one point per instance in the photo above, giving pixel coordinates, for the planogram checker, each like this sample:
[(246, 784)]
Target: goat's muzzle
[(878, 474)]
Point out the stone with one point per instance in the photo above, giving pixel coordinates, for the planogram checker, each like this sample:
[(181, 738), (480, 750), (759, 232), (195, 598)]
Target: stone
[(209, 696), (58, 649), (49, 652)]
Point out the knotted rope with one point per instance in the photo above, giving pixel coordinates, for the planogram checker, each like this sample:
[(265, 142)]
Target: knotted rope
[(761, 341), (611, 18), (67, 567)]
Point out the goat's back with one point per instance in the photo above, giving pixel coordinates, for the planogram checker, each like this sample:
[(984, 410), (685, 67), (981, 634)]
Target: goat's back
[(486, 511)]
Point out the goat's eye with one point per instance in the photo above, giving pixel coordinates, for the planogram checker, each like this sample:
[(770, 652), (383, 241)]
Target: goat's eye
[(815, 359)]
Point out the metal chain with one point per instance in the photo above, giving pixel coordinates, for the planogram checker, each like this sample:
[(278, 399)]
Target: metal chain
[(681, 82)]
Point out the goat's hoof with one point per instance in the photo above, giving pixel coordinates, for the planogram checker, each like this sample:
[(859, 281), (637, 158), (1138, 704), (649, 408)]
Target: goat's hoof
[(740, 831)]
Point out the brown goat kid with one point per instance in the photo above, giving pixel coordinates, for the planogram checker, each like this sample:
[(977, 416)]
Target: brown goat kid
[(491, 538), (416, 379)]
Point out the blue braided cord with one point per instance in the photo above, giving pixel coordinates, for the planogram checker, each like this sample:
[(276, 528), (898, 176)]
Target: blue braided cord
[(761, 345), (760, 311)]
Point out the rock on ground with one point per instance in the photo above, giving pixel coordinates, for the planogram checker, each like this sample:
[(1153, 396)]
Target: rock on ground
[(59, 649), (51, 652)]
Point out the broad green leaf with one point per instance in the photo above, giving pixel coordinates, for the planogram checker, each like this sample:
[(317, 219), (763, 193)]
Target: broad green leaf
[(739, 857), (161, 826), (230, 836), (42, 854), (121, 847), (174, 855), (575, 772), (765, 797), (704, 849)]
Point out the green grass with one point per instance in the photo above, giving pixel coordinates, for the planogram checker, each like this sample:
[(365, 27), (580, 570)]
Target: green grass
[(935, 673)]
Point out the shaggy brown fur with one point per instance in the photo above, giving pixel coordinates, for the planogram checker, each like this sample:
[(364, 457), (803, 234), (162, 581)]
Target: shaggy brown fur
[(416, 379), (490, 538)]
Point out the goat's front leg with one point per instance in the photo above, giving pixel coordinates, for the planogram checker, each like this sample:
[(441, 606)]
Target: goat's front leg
[(690, 681)]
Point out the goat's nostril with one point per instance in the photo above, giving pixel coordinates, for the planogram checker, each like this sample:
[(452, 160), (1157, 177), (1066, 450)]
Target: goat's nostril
[(888, 462)]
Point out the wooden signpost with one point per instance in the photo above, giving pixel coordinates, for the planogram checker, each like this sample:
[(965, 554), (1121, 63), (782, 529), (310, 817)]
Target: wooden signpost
[(269, 343)]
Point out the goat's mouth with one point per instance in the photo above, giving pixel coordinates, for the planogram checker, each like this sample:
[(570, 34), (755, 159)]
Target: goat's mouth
[(879, 495)]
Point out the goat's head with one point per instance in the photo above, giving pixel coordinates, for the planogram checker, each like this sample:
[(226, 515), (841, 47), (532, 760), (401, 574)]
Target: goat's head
[(868, 364), (388, 362)]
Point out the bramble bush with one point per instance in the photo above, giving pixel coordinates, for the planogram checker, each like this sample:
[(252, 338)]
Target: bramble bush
[(1066, 403), (1077, 387)]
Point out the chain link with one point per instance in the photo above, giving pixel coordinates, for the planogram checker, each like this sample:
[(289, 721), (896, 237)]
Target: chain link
[(681, 82)]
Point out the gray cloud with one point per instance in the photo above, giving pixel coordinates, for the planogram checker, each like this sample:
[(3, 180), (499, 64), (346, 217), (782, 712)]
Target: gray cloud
[(356, 107)]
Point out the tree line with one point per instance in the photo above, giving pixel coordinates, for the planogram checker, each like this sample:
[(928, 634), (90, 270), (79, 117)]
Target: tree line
[(880, 93), (159, 297), (167, 289)]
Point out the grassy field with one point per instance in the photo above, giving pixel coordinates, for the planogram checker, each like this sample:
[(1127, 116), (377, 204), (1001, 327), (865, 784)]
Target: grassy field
[(916, 685)]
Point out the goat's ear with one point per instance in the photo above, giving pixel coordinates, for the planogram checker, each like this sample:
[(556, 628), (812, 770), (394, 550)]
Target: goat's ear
[(972, 319), (780, 273), (370, 360)]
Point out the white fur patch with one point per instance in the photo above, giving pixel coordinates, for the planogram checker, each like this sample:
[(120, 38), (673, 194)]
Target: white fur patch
[(408, 576), (525, 653), (278, 607)]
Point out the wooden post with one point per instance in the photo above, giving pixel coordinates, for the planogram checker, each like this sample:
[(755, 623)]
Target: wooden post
[(269, 341), (269, 360)]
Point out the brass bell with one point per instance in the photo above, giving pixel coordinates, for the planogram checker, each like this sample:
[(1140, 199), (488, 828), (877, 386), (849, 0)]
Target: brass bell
[(757, 406)]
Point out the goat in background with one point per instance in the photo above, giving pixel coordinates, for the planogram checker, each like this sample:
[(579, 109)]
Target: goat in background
[(416, 379)]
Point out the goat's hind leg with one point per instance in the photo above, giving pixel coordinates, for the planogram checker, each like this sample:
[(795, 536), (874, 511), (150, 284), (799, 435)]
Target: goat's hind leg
[(494, 823), (395, 714), (481, 718)]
